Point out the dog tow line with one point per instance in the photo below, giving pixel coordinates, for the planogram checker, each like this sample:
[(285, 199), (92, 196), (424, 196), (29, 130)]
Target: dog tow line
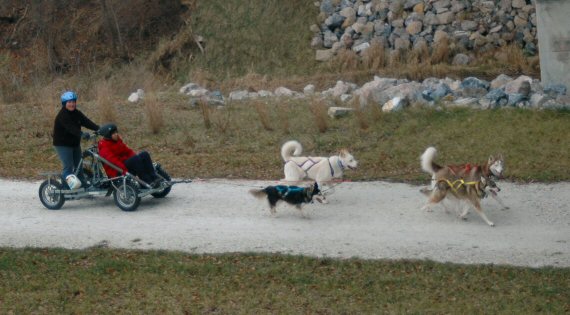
[(182, 181)]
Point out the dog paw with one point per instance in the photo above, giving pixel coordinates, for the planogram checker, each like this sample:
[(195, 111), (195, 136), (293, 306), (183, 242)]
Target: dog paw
[(491, 224), (321, 199), (427, 208)]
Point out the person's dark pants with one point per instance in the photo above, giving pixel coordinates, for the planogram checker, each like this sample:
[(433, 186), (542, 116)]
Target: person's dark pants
[(141, 166), (70, 158)]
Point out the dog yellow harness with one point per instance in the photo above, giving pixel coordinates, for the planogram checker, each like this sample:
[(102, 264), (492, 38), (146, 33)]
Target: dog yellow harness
[(458, 183)]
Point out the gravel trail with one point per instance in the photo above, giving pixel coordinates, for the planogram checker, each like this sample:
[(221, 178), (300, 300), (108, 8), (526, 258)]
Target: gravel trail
[(372, 220)]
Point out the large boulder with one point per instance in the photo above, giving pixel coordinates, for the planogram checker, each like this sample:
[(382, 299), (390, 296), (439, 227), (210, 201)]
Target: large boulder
[(519, 85), (366, 92), (395, 104), (473, 87)]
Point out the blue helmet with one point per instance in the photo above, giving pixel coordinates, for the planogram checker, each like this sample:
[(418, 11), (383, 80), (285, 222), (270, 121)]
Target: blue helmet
[(68, 96)]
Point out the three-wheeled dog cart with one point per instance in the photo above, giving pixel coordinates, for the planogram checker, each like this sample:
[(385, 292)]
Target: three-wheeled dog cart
[(127, 189)]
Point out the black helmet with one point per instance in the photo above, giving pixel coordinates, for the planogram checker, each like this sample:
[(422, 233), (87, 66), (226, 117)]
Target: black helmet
[(107, 130)]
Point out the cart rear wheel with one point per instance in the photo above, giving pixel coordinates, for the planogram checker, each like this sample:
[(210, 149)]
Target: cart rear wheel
[(126, 196), (49, 198)]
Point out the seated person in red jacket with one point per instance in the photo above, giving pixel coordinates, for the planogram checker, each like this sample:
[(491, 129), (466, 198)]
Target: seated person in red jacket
[(113, 149)]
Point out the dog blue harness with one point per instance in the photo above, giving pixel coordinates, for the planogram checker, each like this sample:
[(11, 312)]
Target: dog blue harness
[(284, 189)]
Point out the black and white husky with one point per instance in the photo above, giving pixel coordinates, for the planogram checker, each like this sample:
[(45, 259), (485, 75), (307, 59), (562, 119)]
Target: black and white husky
[(293, 195)]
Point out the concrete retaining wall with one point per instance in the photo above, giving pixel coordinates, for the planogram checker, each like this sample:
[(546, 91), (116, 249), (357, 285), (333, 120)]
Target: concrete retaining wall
[(554, 40)]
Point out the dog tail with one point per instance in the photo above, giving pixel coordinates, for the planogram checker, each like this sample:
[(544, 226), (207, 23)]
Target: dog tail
[(427, 161), (258, 193), (291, 148)]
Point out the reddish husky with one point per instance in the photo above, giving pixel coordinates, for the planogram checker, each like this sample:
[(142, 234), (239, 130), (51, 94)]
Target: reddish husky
[(465, 182)]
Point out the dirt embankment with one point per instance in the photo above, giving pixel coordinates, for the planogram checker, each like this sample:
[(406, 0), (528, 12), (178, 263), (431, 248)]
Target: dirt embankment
[(67, 35)]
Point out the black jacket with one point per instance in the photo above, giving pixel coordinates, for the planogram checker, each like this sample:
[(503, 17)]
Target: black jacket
[(67, 127)]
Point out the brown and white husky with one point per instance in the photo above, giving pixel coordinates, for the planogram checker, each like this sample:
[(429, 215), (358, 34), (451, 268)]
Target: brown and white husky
[(464, 182)]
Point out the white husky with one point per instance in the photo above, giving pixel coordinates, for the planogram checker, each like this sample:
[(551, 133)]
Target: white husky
[(320, 169)]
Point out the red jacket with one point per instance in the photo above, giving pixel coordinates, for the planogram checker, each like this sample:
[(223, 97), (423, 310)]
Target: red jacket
[(116, 152)]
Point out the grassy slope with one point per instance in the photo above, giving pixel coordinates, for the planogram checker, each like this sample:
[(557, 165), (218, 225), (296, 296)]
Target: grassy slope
[(265, 37), (534, 143)]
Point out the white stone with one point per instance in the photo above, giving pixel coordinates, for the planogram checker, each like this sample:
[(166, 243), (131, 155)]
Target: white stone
[(238, 95), (393, 105), (309, 89), (283, 91), (136, 96), (265, 93), (335, 112)]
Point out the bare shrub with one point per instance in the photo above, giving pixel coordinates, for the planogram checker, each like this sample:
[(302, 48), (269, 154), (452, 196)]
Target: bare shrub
[(178, 49), (202, 78), (359, 114), (441, 51), (252, 81), (346, 60), (376, 111), (374, 58), (104, 100), (283, 113), (419, 54), (262, 112), (319, 111), (397, 58), (189, 141), (514, 58), (133, 77), (47, 98), (221, 119), (153, 112), (205, 109)]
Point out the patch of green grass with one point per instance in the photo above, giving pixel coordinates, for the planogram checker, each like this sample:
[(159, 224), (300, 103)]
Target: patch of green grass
[(238, 144), (117, 281)]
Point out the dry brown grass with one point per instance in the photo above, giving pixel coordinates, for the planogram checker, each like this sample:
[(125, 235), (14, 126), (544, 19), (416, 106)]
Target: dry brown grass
[(375, 111), (374, 58), (360, 114), (104, 99), (202, 78), (47, 97), (319, 110), (397, 59), (513, 58), (419, 55), (154, 112), (221, 119), (346, 60), (283, 113), (263, 114), (252, 82), (174, 52), (441, 52), (205, 110)]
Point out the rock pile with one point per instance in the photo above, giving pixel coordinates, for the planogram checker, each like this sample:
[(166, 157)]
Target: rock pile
[(396, 94), (466, 25)]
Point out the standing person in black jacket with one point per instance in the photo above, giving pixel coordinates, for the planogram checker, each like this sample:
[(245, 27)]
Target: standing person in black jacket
[(67, 134)]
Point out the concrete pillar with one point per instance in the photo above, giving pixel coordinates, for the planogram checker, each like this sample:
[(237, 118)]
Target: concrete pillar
[(553, 17)]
